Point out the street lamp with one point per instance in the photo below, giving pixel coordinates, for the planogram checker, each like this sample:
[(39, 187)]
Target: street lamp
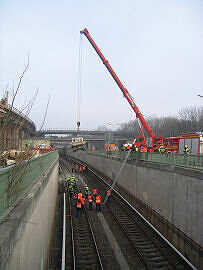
[(110, 133)]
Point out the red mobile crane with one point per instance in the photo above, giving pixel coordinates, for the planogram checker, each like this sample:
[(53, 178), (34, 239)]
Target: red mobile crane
[(155, 140)]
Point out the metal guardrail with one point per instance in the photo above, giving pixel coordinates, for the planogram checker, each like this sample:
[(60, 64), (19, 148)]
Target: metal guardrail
[(187, 161), (24, 116), (15, 181), (13, 109)]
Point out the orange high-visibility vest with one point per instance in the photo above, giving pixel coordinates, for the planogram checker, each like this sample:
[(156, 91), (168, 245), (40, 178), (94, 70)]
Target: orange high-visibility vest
[(108, 192), (90, 198), (79, 204), (94, 191), (98, 200), (143, 149), (79, 195), (83, 201)]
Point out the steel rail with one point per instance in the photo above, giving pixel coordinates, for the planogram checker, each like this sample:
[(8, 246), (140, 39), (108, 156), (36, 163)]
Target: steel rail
[(64, 233), (72, 233), (174, 248), (144, 233), (147, 235), (92, 235), (91, 232), (127, 236), (139, 226), (146, 221), (94, 240), (131, 242)]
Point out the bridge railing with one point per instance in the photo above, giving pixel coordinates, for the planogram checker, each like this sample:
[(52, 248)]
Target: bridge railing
[(13, 109), (24, 116), (187, 161), (16, 181)]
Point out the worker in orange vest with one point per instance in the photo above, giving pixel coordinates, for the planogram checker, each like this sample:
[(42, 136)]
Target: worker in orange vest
[(150, 149), (128, 147), (79, 195), (94, 194), (108, 194), (79, 208), (98, 203), (90, 202), (94, 191), (83, 203), (83, 200), (143, 149), (80, 169), (83, 169)]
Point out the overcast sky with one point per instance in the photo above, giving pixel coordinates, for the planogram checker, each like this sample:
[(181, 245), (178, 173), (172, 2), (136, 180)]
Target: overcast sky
[(154, 46)]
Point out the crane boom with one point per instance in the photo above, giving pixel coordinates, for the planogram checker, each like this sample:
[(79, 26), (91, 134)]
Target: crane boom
[(120, 85)]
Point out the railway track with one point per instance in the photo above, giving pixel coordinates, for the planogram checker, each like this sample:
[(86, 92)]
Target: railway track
[(153, 251), (84, 254)]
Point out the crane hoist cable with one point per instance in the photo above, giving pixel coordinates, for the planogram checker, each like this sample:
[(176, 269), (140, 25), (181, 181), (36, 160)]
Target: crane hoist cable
[(79, 86)]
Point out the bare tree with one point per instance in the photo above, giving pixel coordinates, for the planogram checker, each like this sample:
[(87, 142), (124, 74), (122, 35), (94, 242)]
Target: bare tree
[(189, 119), (21, 167)]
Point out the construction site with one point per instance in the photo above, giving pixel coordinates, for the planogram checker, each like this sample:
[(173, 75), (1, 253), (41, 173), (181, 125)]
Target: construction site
[(126, 194)]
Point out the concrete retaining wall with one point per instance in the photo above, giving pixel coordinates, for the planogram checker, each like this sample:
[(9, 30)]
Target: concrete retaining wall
[(169, 197), (25, 236)]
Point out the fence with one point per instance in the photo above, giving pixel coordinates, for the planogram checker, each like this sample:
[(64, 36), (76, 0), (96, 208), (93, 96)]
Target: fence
[(187, 161), (15, 181)]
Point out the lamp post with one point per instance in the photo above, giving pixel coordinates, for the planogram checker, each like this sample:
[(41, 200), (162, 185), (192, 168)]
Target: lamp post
[(110, 134)]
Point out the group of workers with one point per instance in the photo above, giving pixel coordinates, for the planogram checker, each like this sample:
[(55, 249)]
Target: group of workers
[(78, 168), (144, 149), (70, 184), (80, 201), (93, 198)]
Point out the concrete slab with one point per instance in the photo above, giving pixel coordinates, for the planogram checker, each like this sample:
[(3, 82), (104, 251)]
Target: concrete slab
[(117, 251)]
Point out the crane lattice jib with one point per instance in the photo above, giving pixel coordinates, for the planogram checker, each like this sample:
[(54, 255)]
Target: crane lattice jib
[(120, 85)]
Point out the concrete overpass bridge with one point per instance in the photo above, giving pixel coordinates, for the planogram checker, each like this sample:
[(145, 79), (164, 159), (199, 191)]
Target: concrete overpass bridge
[(96, 141), (15, 127), (92, 137), (84, 132)]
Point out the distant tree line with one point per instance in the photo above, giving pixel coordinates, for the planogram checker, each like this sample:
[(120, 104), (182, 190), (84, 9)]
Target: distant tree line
[(189, 119)]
